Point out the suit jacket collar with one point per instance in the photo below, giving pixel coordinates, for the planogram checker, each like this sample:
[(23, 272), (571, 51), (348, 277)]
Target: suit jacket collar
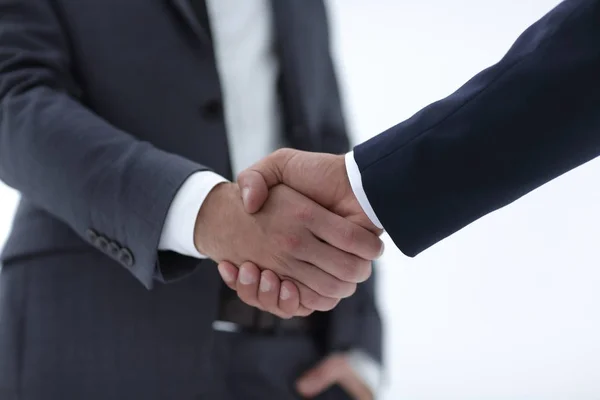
[(290, 24)]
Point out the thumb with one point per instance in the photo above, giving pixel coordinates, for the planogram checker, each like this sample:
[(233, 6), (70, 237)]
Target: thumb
[(320, 378), (254, 190), (256, 181), (229, 273)]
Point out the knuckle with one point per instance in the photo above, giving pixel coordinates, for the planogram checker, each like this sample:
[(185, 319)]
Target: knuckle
[(359, 270), (352, 269), (280, 265), (348, 233), (291, 242), (374, 248), (313, 301), (282, 153), (304, 213), (334, 288), (310, 300)]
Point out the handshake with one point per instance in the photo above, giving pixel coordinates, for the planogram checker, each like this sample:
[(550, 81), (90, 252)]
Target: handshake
[(290, 237)]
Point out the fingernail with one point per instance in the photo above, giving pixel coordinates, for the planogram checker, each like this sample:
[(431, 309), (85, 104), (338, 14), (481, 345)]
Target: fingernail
[(382, 250), (285, 293), (246, 278), (265, 285), (225, 274), (245, 194)]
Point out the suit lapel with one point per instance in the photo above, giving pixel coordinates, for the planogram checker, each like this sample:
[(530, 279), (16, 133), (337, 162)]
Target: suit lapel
[(187, 12)]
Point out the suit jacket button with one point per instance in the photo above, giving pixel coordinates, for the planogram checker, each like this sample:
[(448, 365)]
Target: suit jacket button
[(91, 235), (126, 257), (213, 110), (102, 243)]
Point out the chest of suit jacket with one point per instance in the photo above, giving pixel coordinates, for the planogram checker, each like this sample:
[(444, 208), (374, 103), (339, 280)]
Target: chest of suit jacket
[(147, 66)]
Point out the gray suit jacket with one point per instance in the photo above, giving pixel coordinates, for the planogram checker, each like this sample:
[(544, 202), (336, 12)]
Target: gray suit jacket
[(106, 107)]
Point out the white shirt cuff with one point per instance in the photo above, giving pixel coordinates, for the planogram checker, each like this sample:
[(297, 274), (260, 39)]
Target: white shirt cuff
[(178, 231), (357, 187), (369, 370)]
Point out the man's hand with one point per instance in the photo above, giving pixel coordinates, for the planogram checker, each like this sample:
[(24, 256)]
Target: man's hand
[(335, 369), (263, 290), (322, 253), (319, 176)]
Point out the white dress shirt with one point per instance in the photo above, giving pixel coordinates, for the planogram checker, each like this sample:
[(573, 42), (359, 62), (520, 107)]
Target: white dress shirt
[(357, 188), (248, 70)]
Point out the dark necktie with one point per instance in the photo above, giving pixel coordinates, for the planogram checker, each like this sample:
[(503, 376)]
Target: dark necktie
[(199, 7)]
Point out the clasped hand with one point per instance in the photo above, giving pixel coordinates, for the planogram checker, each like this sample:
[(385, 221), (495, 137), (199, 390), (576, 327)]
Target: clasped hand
[(295, 229)]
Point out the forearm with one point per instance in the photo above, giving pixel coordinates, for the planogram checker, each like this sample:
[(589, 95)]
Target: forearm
[(99, 180), (88, 174), (513, 127), (178, 231)]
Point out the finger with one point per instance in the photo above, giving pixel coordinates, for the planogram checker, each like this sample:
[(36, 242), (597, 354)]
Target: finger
[(254, 190), (344, 266), (354, 385), (288, 290), (255, 301), (281, 298), (304, 312), (247, 284), (229, 273), (345, 235), (269, 293), (315, 381), (289, 298), (314, 301), (318, 280), (255, 181)]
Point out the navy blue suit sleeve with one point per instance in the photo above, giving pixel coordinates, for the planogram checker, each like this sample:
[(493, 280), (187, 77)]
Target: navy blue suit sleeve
[(522, 122), (67, 160)]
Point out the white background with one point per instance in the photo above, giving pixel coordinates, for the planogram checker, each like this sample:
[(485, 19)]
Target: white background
[(508, 307)]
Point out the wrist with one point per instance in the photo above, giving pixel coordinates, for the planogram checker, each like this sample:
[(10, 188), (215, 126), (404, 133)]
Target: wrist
[(210, 217)]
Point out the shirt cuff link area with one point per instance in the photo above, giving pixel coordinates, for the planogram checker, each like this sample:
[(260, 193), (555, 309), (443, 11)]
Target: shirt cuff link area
[(357, 187), (178, 230)]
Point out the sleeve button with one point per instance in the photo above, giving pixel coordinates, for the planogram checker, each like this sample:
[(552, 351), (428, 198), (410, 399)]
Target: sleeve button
[(91, 235), (114, 248), (126, 257), (102, 243)]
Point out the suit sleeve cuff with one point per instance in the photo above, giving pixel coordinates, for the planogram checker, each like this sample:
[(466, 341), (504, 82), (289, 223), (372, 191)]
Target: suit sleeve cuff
[(178, 230), (369, 370), (357, 187)]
